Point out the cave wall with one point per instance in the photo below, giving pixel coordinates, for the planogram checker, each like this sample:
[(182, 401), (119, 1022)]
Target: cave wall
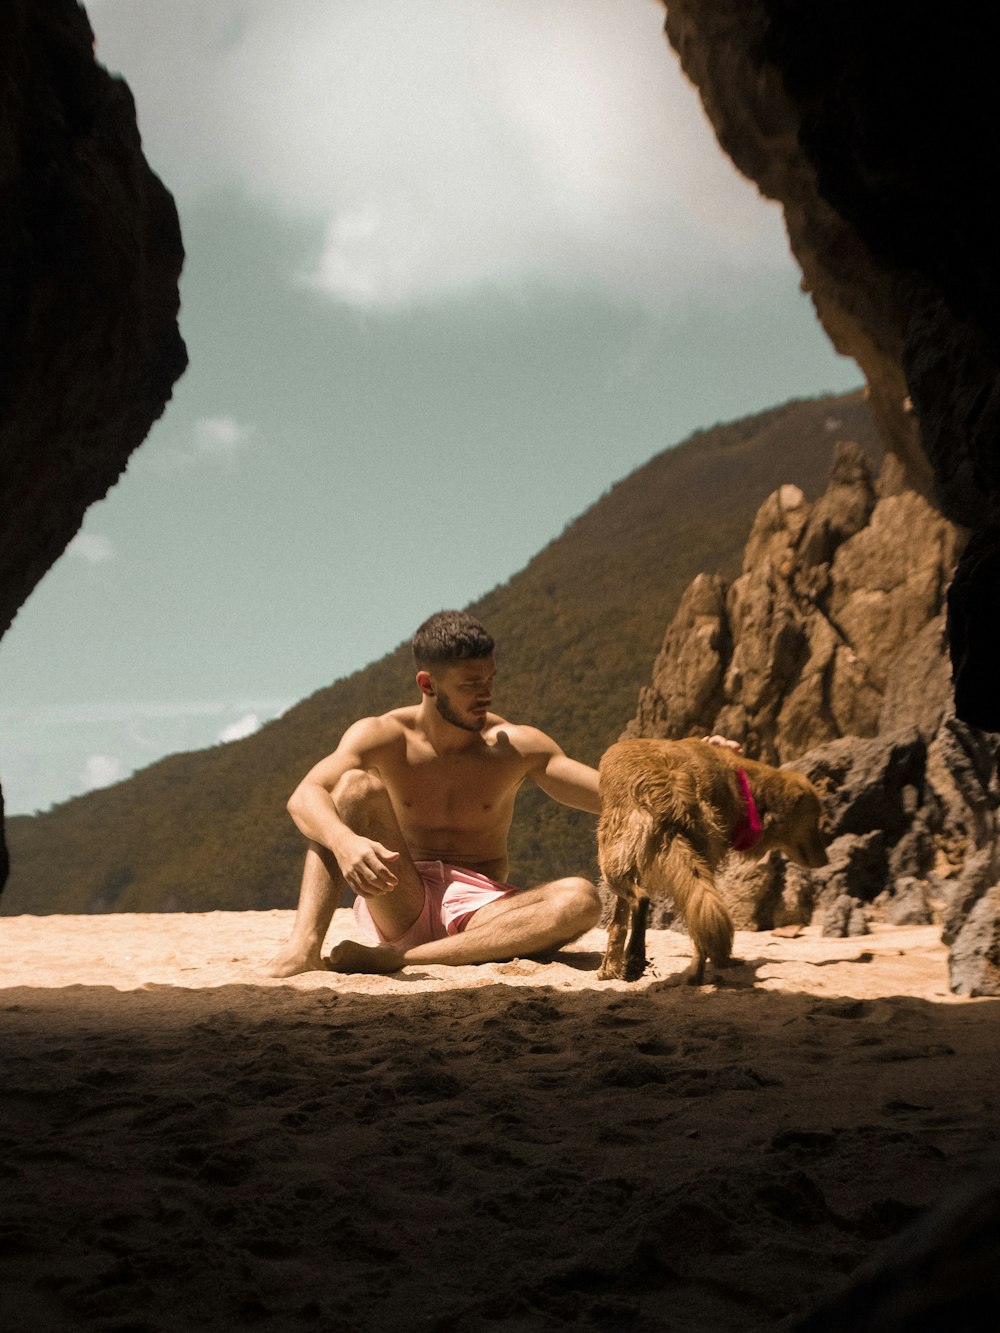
[(874, 127), (90, 258)]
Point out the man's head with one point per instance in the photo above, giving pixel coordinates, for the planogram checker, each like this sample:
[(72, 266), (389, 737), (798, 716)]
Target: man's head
[(453, 654)]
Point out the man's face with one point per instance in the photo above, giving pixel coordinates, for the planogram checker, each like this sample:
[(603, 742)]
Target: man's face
[(463, 692)]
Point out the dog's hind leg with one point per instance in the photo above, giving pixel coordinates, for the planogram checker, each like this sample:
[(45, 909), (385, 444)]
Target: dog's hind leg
[(613, 966), (635, 954), (679, 870)]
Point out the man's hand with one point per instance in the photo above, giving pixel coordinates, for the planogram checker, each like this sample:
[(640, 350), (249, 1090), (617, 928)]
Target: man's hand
[(721, 740), (363, 863)]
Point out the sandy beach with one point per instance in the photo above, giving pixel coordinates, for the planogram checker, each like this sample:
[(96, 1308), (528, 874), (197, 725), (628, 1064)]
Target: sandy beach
[(185, 1144)]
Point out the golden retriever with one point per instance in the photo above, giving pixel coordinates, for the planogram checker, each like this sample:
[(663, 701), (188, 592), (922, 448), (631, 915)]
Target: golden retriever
[(672, 811)]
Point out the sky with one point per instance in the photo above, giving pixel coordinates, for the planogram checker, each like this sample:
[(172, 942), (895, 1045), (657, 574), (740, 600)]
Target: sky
[(453, 269)]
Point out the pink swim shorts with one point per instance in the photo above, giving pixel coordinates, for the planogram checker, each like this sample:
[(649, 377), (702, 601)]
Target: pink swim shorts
[(452, 895)]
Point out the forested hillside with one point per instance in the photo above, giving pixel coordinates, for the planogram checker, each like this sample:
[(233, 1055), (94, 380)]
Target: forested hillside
[(577, 629)]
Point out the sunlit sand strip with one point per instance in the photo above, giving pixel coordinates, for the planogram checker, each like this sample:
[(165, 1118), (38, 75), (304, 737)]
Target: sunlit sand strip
[(131, 951)]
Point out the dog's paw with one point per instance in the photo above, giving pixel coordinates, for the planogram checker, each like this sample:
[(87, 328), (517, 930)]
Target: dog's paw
[(635, 969)]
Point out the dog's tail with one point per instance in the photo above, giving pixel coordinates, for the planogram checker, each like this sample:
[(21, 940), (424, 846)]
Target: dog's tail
[(678, 870)]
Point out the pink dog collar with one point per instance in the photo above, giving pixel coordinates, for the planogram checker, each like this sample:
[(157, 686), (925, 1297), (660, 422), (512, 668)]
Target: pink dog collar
[(748, 830)]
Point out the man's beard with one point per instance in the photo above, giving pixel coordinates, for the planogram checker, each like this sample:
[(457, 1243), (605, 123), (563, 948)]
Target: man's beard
[(449, 714)]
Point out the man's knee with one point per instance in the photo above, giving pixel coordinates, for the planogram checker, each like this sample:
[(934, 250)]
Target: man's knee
[(356, 793), (577, 901)]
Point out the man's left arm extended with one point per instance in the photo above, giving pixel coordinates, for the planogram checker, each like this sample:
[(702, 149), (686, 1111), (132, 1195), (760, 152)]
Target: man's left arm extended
[(566, 780)]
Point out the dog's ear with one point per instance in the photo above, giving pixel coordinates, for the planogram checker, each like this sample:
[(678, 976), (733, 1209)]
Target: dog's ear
[(774, 816), (777, 810)]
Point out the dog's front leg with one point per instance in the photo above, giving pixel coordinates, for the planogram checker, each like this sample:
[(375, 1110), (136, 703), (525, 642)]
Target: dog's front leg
[(613, 966), (635, 957)]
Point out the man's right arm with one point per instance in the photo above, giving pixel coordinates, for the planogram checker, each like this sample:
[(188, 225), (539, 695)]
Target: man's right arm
[(362, 861)]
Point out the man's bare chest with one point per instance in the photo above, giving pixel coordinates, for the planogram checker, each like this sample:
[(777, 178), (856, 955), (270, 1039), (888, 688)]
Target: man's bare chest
[(454, 791)]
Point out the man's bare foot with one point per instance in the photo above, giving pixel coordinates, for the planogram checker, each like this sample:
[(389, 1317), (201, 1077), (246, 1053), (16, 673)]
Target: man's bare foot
[(294, 959), (349, 956)]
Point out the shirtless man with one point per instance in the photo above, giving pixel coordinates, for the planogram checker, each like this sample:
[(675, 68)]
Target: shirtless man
[(412, 811)]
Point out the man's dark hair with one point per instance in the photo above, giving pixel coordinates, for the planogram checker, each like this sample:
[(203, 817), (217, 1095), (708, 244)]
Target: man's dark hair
[(450, 636)]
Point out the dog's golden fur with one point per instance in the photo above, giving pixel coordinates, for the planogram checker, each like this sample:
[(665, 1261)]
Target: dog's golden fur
[(669, 809)]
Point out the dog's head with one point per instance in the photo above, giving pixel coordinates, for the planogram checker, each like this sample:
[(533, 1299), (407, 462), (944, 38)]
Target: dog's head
[(792, 815), (800, 834)]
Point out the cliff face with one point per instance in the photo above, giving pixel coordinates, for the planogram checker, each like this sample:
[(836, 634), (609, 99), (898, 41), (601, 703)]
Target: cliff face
[(90, 256), (867, 123)]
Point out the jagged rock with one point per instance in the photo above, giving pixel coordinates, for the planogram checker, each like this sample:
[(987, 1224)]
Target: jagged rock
[(918, 683), (974, 961), (776, 530), (960, 894), (906, 903), (892, 479), (869, 783), (821, 634), (962, 766), (798, 897), (914, 854), (833, 695), (858, 867), (888, 583), (903, 809), (844, 916), (843, 509), (899, 808), (695, 648), (763, 664), (882, 197)]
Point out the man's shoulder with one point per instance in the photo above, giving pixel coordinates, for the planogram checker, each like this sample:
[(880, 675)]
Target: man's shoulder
[(526, 740), (384, 728)]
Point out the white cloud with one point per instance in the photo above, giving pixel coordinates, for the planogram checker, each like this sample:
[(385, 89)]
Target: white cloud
[(92, 547), (220, 437), (101, 770), (213, 441), (54, 751), (93, 714), (449, 145), (238, 731)]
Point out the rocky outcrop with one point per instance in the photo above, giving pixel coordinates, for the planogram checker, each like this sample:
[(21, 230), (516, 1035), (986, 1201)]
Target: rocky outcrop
[(836, 613), (867, 124), (90, 256), (827, 654), (914, 828)]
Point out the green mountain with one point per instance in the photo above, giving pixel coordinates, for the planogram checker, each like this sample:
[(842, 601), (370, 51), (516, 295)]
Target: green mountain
[(577, 630)]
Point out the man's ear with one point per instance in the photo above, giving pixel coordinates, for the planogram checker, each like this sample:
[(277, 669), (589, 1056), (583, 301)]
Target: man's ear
[(424, 682)]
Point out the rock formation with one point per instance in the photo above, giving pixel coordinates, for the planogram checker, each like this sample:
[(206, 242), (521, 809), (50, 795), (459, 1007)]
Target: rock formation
[(867, 125), (90, 256), (837, 610), (827, 653)]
